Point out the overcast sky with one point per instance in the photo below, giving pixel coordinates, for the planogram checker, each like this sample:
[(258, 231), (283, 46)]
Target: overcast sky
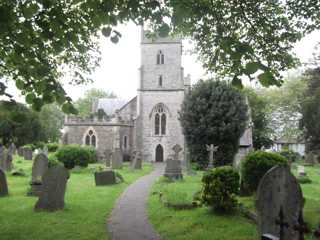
[(118, 71)]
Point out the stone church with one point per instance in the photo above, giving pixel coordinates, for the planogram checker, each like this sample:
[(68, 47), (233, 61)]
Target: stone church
[(148, 122)]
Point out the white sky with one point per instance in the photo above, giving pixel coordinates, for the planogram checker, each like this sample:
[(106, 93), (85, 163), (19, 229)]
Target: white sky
[(118, 71)]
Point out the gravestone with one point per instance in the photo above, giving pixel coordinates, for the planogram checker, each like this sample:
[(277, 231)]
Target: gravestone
[(27, 153), (45, 150), (39, 167), (280, 204), (188, 164), (20, 151), (173, 168), (108, 157), (301, 171), (117, 159), (137, 160), (12, 149), (3, 184), (105, 178), (54, 183), (211, 149), (6, 159)]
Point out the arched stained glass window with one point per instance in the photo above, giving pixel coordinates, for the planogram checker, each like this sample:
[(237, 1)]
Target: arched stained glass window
[(163, 124), (125, 142), (157, 124), (91, 139), (160, 81)]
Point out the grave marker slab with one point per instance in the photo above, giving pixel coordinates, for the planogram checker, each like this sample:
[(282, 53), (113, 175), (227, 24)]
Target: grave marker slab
[(27, 153), (39, 167), (137, 160), (3, 184), (54, 183), (173, 169), (117, 159), (105, 178), (279, 204)]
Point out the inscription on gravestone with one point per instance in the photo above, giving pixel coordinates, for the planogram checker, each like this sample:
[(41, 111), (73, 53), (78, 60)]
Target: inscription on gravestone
[(280, 204)]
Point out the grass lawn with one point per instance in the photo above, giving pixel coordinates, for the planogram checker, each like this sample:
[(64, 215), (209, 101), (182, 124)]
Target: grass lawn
[(201, 224), (85, 214)]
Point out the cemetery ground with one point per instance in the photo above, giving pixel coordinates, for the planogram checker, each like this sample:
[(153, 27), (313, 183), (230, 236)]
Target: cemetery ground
[(87, 207), (200, 223)]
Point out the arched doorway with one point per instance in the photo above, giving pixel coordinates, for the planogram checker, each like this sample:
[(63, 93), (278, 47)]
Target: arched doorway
[(159, 153)]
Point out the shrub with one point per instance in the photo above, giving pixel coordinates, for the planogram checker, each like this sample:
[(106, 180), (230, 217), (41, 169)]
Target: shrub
[(255, 165), (219, 188), (52, 147), (304, 179), (93, 154), (213, 112), (72, 155), (290, 155), (53, 160)]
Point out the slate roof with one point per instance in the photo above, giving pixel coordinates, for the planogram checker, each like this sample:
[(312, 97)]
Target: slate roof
[(110, 105)]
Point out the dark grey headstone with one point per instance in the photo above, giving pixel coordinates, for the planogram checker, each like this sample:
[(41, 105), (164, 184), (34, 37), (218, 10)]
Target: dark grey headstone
[(54, 183), (279, 203), (173, 168), (105, 178), (27, 153), (39, 167), (108, 157), (3, 184), (12, 149), (20, 151)]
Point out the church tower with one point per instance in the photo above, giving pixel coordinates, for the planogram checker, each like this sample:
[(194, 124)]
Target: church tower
[(160, 95)]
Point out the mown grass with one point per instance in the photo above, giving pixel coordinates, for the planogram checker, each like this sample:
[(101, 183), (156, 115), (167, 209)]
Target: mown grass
[(200, 223), (84, 217)]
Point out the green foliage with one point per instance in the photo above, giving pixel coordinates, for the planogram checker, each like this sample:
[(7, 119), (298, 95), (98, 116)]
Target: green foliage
[(219, 188), (34, 42), (92, 152), (255, 165), (84, 104), (285, 107), (213, 112), (74, 155), (52, 147), (51, 119), (304, 180), (260, 115), (290, 155), (311, 110), (18, 124), (53, 160)]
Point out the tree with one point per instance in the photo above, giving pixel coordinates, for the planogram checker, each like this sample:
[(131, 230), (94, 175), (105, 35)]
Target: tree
[(213, 112), (311, 110), (261, 132), (51, 119), (18, 124), (284, 103), (41, 40), (84, 105)]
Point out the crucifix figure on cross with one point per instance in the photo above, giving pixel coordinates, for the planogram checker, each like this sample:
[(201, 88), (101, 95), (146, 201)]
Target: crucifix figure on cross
[(211, 149)]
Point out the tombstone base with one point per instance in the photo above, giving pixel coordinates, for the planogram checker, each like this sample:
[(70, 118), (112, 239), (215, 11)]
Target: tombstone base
[(174, 176), (173, 170), (105, 178)]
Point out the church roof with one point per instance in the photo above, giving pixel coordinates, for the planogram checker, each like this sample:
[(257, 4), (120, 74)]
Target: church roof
[(110, 105)]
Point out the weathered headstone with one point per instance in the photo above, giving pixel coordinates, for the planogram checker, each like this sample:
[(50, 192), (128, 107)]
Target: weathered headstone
[(188, 164), (108, 157), (211, 149), (279, 204), (27, 153), (20, 151), (45, 150), (3, 184), (6, 159), (39, 167), (107, 177), (173, 168), (301, 171), (137, 160), (12, 149), (54, 183), (117, 159)]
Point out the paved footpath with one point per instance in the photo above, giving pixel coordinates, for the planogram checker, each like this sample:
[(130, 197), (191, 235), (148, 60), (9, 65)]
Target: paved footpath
[(129, 219)]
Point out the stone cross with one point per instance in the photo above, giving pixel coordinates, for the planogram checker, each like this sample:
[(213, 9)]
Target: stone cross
[(211, 149), (53, 190), (176, 149), (279, 204)]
